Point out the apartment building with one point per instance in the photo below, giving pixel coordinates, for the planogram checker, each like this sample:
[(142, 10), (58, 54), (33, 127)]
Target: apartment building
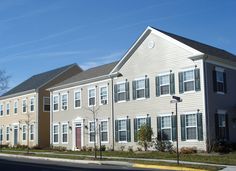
[(122, 96), (25, 109)]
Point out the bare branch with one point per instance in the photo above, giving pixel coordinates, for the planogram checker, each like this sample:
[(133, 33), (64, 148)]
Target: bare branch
[(3, 81)]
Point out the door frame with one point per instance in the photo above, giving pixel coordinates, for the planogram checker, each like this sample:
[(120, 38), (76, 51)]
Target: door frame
[(15, 127), (77, 121)]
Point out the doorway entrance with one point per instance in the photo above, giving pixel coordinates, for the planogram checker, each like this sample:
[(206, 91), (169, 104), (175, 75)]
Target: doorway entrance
[(78, 135)]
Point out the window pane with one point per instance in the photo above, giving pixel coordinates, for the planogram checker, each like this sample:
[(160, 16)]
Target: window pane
[(165, 89), (140, 93), (122, 135), (191, 120), (165, 79), (166, 134), (140, 84), (140, 122), (121, 87), (219, 76), (191, 133), (166, 122), (104, 136), (121, 96), (188, 75), (189, 86)]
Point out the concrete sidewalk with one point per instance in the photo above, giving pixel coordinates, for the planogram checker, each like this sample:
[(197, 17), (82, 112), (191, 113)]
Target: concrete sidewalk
[(120, 163)]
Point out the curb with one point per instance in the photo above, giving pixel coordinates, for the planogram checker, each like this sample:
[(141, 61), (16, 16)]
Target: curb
[(166, 167)]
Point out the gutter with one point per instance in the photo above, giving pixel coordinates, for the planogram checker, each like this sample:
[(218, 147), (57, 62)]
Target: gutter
[(18, 94)]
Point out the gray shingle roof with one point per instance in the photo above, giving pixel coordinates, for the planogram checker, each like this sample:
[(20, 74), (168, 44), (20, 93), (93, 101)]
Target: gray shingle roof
[(204, 48), (90, 73), (37, 81)]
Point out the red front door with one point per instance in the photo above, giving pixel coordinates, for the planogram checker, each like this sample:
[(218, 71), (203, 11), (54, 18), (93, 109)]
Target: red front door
[(78, 137)]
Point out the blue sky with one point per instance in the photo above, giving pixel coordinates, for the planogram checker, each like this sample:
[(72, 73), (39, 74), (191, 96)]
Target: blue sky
[(37, 36)]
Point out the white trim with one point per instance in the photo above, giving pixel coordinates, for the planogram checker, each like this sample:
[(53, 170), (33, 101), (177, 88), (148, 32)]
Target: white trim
[(17, 107), (46, 97), (195, 126), (105, 120), (95, 93), (144, 88), (121, 83), (55, 124), (24, 99), (119, 119), (90, 132), (162, 75), (67, 101), (33, 104), (100, 101), (32, 133), (77, 120), (2, 109), (7, 133), (220, 111), (9, 109), (80, 98), (64, 123), (220, 69), (58, 103), (23, 132)]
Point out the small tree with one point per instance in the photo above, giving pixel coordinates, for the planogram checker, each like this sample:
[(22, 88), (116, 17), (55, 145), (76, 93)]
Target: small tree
[(162, 143), (3, 81), (144, 136)]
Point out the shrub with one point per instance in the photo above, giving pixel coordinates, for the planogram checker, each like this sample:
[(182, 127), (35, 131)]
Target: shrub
[(188, 150), (103, 148), (122, 148), (161, 143), (139, 149), (144, 136), (36, 147), (84, 148), (221, 147), (59, 148), (130, 148), (90, 149)]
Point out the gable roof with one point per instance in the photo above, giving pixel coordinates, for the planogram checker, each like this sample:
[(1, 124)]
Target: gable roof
[(91, 73), (204, 48), (38, 80)]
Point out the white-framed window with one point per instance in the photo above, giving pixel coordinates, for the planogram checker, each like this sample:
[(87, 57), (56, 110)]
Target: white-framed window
[(32, 104), (24, 132), (91, 97), (141, 122), (7, 133), (121, 93), (55, 103), (140, 88), (46, 104), (104, 131), (92, 136), (77, 99), (64, 133), (1, 110), (103, 95), (1, 135), (55, 133), (24, 105), (166, 128), (122, 130), (15, 107), (191, 126), (64, 101), (8, 109), (188, 80), (164, 84), (220, 80), (31, 132)]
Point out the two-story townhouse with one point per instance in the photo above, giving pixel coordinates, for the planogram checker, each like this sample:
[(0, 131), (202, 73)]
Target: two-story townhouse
[(25, 109), (141, 85), (79, 105)]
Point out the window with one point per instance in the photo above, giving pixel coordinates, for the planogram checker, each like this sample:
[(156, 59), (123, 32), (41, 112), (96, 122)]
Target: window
[(77, 99), (92, 137), (1, 110), (104, 131), (164, 84), (191, 126), (221, 126), (24, 130), (141, 122), (31, 132), (15, 107), (24, 105), (121, 94), (64, 133), (55, 103), (1, 136), (46, 104), (189, 80), (166, 128), (141, 88), (91, 96), (8, 108), (7, 133), (103, 95), (32, 104), (64, 101), (219, 79), (55, 134), (122, 130)]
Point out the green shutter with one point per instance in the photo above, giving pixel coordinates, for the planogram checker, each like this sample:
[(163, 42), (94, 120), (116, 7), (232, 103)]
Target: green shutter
[(172, 83), (127, 90), (225, 85), (199, 127), (157, 86), (174, 128), (197, 79), (134, 89), (148, 121), (159, 128), (181, 82), (128, 131), (183, 133), (227, 126), (147, 87), (214, 81), (115, 93), (135, 130), (217, 126), (116, 131)]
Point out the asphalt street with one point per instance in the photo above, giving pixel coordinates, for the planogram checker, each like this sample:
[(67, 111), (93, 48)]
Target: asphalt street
[(17, 164)]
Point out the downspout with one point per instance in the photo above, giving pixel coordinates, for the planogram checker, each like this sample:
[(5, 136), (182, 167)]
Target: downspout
[(51, 120), (112, 113), (208, 140)]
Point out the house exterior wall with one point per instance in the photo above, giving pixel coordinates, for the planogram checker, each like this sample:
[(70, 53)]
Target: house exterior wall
[(221, 101), (19, 119)]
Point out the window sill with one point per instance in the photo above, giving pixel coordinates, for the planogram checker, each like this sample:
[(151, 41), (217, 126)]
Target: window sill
[(77, 107), (104, 142), (142, 98), (192, 141), (122, 101), (64, 143), (55, 110), (190, 92), (165, 95), (55, 142), (220, 92), (122, 142)]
